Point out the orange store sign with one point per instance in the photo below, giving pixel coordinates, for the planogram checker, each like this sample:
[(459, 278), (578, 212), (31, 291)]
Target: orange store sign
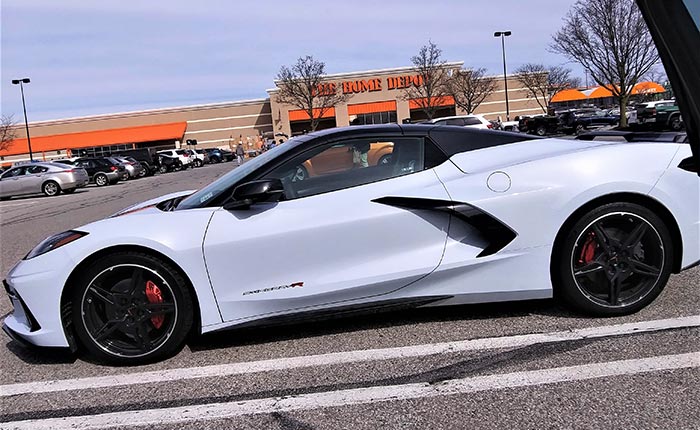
[(369, 85)]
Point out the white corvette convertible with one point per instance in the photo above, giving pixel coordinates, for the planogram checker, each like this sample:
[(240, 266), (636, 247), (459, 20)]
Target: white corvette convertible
[(367, 218)]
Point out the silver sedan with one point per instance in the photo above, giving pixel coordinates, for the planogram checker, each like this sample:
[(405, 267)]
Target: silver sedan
[(48, 178)]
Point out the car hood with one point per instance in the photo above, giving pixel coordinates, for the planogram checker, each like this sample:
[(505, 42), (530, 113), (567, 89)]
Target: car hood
[(152, 202)]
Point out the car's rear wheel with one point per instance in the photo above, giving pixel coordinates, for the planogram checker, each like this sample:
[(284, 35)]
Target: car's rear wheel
[(50, 189), (614, 260), (198, 163), (101, 180), (676, 124), (580, 129), (131, 308), (541, 130)]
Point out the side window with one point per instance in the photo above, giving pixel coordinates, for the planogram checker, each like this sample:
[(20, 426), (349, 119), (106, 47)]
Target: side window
[(33, 170), (455, 121), (349, 163), (12, 173), (471, 121)]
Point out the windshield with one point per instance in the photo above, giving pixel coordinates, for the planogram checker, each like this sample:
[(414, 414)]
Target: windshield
[(224, 183)]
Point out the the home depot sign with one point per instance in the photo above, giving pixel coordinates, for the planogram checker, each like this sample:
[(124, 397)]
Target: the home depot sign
[(370, 85)]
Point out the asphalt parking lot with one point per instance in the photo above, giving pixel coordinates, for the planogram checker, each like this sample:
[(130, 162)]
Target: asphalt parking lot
[(499, 366)]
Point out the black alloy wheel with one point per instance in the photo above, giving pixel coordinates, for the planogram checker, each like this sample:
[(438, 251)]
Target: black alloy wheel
[(615, 260), (131, 308), (101, 180), (50, 189)]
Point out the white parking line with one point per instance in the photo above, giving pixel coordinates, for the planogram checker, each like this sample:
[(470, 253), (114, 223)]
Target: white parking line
[(221, 370), (358, 396)]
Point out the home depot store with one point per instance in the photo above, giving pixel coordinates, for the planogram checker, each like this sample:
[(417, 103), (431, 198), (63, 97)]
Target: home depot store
[(379, 96), (375, 96)]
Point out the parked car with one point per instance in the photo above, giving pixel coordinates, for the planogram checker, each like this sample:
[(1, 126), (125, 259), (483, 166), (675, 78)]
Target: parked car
[(200, 157), (167, 163), (475, 121), (145, 156), (102, 170), (540, 125), (646, 112), (185, 156), (580, 120), (661, 115), (133, 167), (41, 177), (217, 155)]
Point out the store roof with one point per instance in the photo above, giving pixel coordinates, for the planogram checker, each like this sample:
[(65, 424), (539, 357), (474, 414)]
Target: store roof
[(114, 136), (602, 92)]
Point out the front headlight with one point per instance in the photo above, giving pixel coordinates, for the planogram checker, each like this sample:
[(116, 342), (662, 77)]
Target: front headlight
[(55, 241)]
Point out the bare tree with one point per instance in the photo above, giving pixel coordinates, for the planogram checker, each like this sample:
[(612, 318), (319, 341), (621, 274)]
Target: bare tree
[(543, 82), (431, 89), (470, 88), (8, 131), (611, 41), (302, 85)]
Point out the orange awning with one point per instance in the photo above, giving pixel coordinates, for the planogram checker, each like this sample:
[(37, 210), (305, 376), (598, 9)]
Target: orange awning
[(439, 101), (302, 115), (387, 106), (114, 136), (568, 95), (599, 93), (648, 88)]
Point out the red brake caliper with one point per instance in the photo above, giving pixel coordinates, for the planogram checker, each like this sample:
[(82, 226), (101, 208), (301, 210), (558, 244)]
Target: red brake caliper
[(588, 249), (154, 295)]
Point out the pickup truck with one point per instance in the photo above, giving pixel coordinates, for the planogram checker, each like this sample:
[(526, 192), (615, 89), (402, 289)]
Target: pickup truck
[(669, 117)]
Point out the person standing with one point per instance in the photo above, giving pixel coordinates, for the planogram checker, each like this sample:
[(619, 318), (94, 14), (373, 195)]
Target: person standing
[(240, 153)]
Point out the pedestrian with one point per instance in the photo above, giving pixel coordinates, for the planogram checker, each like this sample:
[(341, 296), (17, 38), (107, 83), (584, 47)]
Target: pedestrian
[(240, 153)]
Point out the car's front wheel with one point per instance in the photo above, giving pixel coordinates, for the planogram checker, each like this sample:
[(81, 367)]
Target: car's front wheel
[(614, 260), (131, 308)]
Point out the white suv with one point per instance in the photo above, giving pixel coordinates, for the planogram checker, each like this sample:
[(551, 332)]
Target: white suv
[(476, 121), (185, 156)]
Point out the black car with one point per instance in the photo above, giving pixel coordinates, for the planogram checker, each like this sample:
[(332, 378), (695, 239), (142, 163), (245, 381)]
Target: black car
[(167, 163), (145, 156), (102, 170), (217, 155), (578, 121), (539, 125)]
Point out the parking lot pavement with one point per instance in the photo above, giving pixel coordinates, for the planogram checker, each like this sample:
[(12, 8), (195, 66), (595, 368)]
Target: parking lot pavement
[(509, 365)]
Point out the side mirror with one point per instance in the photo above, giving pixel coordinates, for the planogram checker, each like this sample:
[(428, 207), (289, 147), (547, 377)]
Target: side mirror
[(266, 190)]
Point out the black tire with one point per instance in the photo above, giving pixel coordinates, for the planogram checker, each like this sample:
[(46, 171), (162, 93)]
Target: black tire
[(131, 308), (580, 129), (614, 260), (198, 163), (541, 130), (50, 189), (675, 123), (215, 160), (143, 173), (5, 198), (101, 180), (69, 191)]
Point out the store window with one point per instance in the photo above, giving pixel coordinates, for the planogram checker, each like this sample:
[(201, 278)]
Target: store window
[(375, 118)]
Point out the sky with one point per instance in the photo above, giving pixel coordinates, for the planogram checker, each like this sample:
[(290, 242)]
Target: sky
[(87, 57)]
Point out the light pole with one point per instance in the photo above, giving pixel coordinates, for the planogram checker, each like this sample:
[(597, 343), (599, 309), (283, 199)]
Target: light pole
[(24, 106), (502, 35)]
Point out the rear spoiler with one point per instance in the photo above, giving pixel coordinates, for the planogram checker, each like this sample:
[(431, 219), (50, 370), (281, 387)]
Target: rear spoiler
[(637, 136)]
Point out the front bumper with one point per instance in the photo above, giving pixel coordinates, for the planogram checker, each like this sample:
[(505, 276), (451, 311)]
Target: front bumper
[(34, 288)]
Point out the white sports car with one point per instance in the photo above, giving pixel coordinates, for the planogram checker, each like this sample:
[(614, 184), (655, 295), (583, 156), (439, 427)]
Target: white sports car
[(366, 218)]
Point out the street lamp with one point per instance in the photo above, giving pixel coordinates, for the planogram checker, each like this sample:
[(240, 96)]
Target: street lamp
[(502, 35), (24, 106)]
